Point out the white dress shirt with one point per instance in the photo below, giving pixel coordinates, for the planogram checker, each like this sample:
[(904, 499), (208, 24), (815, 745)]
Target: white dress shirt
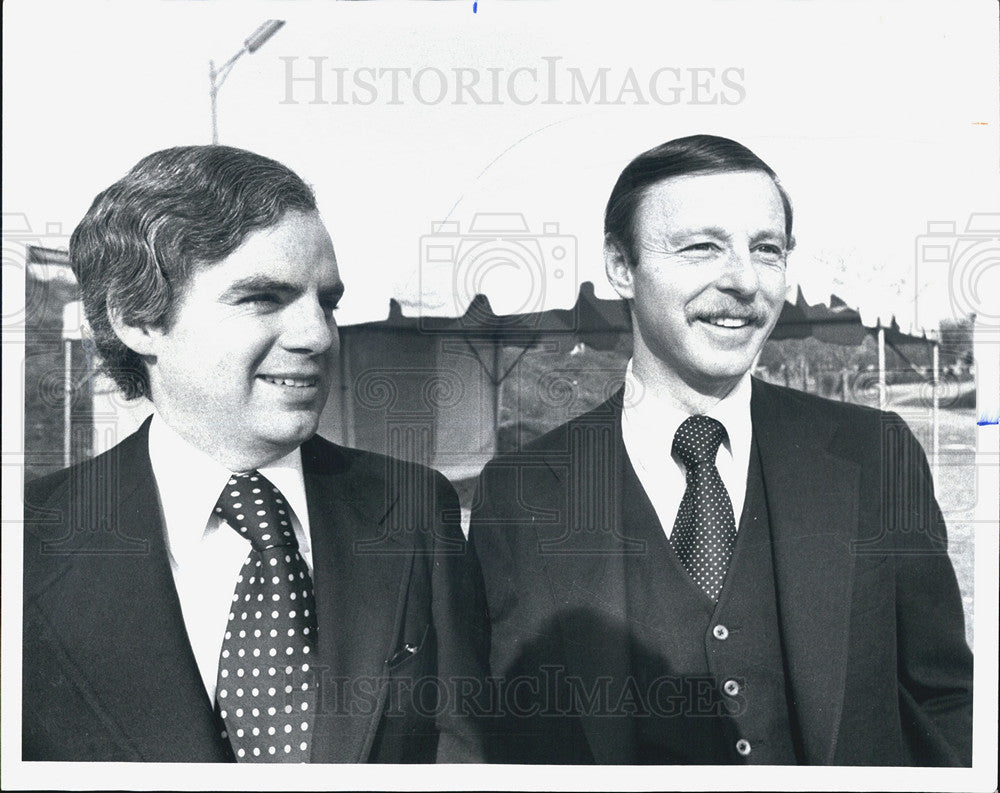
[(205, 553), (649, 423)]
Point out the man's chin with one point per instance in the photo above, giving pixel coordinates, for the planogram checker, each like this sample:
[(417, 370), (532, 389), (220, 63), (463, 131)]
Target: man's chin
[(720, 376), (290, 429)]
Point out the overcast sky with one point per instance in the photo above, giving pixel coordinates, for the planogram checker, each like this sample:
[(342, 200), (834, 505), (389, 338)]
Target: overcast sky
[(879, 117)]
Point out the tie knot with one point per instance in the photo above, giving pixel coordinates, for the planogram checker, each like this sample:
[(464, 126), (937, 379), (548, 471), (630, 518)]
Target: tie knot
[(697, 440), (257, 510)]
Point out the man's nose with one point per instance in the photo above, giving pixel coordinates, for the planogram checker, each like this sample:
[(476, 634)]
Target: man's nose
[(739, 274), (309, 328)]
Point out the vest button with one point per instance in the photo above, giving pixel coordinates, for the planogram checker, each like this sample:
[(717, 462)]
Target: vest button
[(732, 688), (743, 747), (720, 632)]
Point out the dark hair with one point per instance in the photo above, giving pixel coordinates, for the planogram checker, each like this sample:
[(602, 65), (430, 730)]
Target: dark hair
[(176, 210), (696, 154)]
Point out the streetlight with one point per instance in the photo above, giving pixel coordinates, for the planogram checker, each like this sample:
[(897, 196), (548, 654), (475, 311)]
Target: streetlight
[(216, 77)]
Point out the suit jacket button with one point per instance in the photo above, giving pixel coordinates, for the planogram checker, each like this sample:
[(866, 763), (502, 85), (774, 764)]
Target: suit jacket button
[(720, 632), (743, 747)]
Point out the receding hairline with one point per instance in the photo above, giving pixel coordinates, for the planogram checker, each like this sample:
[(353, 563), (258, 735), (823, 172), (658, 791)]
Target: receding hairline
[(642, 194), (644, 191)]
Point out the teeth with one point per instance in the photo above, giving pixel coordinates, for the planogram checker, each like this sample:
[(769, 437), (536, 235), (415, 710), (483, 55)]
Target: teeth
[(287, 382), (729, 322)]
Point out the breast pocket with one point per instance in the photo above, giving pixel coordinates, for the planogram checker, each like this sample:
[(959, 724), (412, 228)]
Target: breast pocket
[(408, 652), (414, 690)]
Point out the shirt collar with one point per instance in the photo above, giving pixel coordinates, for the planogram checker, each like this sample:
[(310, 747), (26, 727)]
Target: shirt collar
[(652, 420), (189, 482)]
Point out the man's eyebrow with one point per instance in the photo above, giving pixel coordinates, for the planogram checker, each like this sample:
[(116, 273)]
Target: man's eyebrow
[(770, 234), (258, 283), (689, 231), (774, 237), (264, 283), (723, 233)]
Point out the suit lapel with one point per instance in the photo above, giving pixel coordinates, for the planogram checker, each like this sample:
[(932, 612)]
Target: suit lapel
[(118, 616), (812, 498), (586, 568), (360, 572)]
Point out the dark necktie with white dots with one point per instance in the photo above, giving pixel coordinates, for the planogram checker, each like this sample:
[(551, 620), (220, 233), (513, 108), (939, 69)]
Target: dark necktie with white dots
[(266, 693), (704, 531)]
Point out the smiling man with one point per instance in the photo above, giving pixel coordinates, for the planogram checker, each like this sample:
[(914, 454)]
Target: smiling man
[(225, 584), (708, 569)]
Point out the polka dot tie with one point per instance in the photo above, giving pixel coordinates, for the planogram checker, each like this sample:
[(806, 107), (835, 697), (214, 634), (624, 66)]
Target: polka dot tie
[(266, 694), (705, 530)]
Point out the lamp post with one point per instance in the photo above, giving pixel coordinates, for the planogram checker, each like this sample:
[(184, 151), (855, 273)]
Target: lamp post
[(216, 77)]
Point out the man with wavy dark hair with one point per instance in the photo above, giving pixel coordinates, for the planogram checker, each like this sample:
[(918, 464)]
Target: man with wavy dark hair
[(224, 584), (707, 569), (144, 237)]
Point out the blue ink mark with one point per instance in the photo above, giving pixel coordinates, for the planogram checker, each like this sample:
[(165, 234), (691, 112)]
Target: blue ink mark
[(983, 422), (474, 7)]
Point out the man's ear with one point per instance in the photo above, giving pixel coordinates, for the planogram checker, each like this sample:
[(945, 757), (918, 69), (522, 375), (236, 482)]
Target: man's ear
[(617, 268), (138, 338)]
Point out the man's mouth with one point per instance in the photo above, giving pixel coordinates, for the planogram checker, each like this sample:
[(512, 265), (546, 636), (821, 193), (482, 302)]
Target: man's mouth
[(729, 321), (291, 382)]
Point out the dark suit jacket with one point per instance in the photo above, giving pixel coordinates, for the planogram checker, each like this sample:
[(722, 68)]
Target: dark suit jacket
[(108, 670), (869, 609)]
